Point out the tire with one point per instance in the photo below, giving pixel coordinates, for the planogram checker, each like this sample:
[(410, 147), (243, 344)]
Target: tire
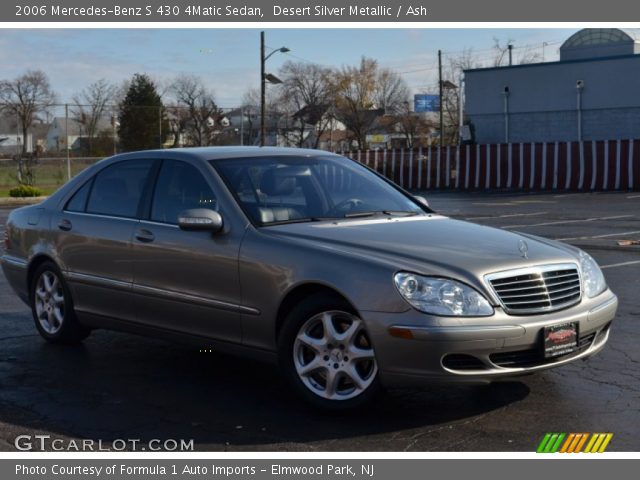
[(323, 340), (52, 307)]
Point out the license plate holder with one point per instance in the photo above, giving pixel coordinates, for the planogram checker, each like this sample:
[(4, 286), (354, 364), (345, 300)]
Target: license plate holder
[(560, 339)]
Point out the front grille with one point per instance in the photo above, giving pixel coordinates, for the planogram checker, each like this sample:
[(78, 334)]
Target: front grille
[(537, 289), (535, 356)]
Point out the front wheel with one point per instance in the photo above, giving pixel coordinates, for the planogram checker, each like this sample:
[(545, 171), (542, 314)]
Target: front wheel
[(327, 354), (52, 307)]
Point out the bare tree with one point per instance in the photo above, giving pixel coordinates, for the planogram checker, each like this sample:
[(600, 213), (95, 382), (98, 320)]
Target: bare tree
[(413, 126), (501, 51), (453, 71), (523, 55), (308, 92), (23, 98), (90, 105), (204, 114), (365, 93), (390, 92), (250, 115), (528, 55), (275, 111)]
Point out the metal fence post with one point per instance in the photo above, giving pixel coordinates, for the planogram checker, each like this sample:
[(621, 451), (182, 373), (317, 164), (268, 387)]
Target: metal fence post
[(66, 128)]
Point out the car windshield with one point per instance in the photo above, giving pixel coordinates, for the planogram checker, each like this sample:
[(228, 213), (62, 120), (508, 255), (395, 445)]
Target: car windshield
[(288, 189)]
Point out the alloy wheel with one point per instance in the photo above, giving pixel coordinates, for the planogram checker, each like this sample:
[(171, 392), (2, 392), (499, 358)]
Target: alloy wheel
[(333, 356), (49, 302)]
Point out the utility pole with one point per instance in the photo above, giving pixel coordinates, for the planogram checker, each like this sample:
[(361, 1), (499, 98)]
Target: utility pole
[(263, 128), (510, 54), (440, 85)]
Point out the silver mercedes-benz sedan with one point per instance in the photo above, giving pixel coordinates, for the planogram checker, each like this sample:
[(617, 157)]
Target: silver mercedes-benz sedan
[(304, 258)]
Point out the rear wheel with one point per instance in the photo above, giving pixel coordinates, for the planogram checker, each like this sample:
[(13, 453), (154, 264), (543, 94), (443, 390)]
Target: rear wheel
[(327, 354), (52, 307)]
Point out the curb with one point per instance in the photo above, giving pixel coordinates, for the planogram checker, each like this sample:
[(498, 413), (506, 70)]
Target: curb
[(20, 201)]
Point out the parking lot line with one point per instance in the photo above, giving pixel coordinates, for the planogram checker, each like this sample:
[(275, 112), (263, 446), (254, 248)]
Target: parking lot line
[(564, 195), (561, 222), (619, 234), (495, 204), (623, 264), (508, 215), (633, 196)]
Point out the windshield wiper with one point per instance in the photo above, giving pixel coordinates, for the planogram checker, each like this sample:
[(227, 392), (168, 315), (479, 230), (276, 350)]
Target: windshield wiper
[(394, 213), (299, 220), (401, 213)]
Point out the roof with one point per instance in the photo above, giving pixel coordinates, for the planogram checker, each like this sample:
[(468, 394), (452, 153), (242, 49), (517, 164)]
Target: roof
[(311, 114), (76, 128), (8, 126), (600, 42), (600, 36), (217, 153)]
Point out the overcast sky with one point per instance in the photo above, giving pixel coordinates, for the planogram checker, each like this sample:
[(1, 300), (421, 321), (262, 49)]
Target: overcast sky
[(228, 59)]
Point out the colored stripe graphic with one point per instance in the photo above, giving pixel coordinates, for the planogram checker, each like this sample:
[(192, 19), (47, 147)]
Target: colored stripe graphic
[(543, 443), (574, 443), (598, 442), (550, 443)]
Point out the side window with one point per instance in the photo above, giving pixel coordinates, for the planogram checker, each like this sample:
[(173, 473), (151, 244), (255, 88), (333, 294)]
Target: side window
[(117, 189), (78, 202), (180, 186)]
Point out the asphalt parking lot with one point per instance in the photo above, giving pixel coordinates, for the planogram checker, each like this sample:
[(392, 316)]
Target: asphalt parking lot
[(120, 386)]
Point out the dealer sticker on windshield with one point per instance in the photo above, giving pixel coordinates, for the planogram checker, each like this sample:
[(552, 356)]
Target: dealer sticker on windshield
[(560, 339)]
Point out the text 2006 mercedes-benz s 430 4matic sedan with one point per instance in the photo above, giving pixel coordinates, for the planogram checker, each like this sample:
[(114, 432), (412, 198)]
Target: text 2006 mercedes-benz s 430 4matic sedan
[(305, 258)]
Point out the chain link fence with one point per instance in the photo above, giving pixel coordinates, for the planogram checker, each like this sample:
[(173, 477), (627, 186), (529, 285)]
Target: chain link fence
[(63, 139)]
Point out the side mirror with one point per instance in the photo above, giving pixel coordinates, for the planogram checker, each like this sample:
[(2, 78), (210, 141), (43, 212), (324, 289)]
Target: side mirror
[(200, 219), (421, 200)]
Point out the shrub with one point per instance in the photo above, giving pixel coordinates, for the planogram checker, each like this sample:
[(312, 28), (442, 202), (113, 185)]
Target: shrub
[(25, 191)]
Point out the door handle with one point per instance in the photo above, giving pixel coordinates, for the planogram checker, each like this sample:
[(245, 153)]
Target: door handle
[(64, 225), (144, 235)]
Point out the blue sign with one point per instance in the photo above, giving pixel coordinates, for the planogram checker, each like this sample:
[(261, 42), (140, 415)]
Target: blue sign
[(426, 103)]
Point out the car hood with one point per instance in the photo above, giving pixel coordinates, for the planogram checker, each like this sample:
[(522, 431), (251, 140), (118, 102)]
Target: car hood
[(430, 244)]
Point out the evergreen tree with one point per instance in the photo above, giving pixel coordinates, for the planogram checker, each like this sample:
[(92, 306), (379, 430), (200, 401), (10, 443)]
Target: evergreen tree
[(143, 121)]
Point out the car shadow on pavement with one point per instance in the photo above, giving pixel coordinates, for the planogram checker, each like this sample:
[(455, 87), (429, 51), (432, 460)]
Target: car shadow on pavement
[(116, 386)]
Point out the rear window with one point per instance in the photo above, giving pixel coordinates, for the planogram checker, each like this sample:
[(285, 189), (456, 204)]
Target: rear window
[(118, 188), (78, 202)]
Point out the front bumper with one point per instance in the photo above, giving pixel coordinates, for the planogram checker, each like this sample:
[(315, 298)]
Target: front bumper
[(479, 350)]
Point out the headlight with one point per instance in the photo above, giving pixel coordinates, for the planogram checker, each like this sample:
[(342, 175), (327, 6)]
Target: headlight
[(441, 296), (592, 277)]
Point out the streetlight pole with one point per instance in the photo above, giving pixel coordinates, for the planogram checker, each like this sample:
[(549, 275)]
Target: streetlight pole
[(440, 95), (263, 84)]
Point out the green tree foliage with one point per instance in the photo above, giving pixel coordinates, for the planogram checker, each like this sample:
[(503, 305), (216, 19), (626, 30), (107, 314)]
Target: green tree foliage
[(143, 122)]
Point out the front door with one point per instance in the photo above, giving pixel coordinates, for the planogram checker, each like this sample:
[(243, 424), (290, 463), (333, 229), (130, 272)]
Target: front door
[(185, 281)]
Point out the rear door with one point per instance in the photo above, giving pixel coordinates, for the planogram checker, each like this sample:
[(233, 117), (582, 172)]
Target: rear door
[(186, 281), (93, 236)]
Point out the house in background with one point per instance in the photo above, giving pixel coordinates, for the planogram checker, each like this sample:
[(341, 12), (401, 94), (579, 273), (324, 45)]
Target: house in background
[(11, 137), (77, 136)]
